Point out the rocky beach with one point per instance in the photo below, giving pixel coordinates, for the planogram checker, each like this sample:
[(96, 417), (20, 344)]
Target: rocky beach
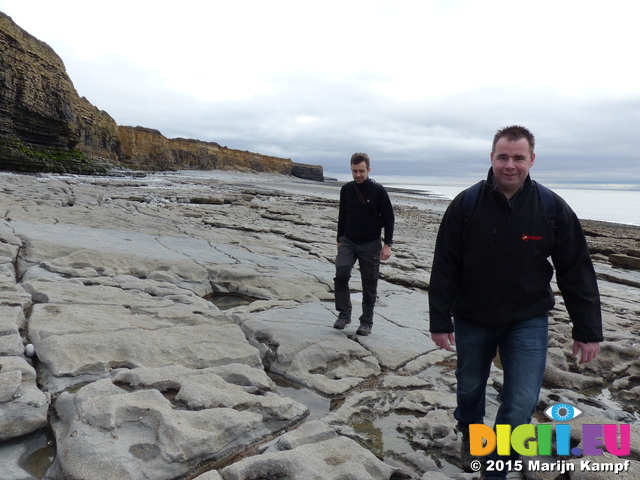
[(179, 326)]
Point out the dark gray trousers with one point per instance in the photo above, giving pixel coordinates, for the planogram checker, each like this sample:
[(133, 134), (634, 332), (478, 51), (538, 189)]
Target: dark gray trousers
[(368, 257)]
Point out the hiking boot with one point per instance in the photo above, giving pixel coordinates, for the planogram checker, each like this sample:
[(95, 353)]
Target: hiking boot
[(364, 329), (341, 322), (465, 455)]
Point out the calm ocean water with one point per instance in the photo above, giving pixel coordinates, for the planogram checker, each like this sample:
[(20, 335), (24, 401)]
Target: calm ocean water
[(609, 205)]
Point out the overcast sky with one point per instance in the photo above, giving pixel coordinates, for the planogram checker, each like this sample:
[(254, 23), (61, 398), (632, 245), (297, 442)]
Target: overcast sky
[(421, 85)]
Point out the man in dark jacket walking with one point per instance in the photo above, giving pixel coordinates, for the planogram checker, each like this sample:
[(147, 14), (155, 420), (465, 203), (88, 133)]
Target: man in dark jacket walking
[(365, 208), (491, 273)]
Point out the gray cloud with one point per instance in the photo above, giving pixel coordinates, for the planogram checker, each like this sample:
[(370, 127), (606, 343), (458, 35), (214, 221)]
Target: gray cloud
[(321, 123), (318, 121), (423, 96)]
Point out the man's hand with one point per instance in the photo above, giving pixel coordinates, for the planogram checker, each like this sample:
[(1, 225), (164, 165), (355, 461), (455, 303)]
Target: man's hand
[(444, 340), (385, 253), (589, 351)]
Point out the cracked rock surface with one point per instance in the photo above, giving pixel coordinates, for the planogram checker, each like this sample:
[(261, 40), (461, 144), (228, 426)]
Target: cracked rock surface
[(140, 372)]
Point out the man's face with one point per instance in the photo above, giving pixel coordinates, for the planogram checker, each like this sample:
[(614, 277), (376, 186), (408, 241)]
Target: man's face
[(360, 172), (511, 162)]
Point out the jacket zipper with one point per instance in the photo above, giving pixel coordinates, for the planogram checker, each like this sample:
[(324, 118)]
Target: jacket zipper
[(505, 263)]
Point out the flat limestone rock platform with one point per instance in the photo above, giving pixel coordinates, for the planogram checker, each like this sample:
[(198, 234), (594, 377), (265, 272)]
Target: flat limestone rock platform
[(138, 375)]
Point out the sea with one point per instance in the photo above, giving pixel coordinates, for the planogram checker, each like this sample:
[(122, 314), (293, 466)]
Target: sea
[(614, 203), (610, 204)]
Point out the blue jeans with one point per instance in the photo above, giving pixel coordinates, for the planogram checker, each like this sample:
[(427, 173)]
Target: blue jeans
[(523, 354)]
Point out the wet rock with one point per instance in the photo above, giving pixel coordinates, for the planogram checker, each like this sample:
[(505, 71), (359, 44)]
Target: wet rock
[(11, 382), (300, 344), (232, 385), (210, 475), (606, 466), (163, 422), (316, 455), (434, 476), (23, 406), (625, 260), (558, 375)]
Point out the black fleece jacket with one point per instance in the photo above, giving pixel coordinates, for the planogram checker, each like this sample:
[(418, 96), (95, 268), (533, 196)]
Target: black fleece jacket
[(362, 216), (493, 267)]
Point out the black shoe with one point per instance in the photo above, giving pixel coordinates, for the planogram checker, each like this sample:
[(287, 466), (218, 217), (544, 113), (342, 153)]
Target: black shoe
[(364, 329), (465, 454), (341, 322)]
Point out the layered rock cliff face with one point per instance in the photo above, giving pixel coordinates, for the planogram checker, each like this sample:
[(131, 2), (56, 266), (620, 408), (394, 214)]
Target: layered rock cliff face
[(147, 149), (45, 126)]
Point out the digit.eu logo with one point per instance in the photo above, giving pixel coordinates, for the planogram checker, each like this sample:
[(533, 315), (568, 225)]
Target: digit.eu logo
[(531, 440)]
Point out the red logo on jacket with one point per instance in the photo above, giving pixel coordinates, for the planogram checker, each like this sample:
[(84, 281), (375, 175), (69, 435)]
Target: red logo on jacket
[(526, 237)]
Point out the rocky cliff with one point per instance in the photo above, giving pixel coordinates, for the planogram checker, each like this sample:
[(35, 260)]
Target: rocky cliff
[(45, 126), (148, 149)]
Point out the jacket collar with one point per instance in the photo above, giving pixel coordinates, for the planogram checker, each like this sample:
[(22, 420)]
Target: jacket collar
[(367, 182)]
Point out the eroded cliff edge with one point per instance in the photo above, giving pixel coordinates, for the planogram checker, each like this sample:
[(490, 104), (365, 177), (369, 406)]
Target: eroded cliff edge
[(45, 126)]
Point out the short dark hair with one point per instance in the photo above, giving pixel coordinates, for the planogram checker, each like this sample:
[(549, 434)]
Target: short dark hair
[(360, 157), (513, 134)]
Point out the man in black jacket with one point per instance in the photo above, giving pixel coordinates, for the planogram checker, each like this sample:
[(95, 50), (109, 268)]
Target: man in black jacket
[(365, 209), (491, 273)]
